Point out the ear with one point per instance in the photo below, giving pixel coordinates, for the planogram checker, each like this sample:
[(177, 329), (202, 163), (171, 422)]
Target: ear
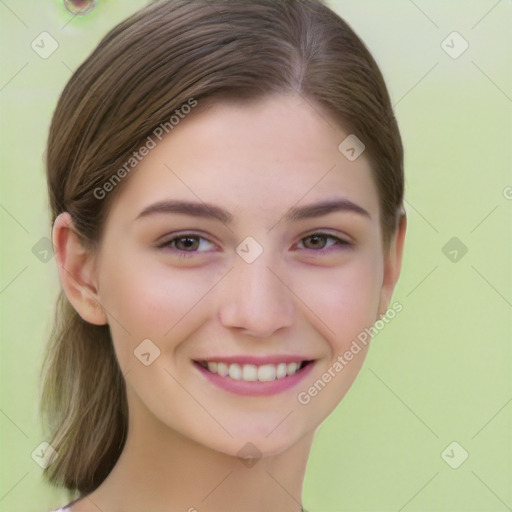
[(77, 270), (392, 265)]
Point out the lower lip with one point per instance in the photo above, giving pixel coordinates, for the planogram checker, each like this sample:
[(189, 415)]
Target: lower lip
[(256, 388)]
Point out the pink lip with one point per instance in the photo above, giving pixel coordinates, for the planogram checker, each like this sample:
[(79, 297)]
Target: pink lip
[(256, 388), (257, 360)]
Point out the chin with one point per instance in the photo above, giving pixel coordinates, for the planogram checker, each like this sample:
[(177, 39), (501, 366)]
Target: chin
[(257, 442)]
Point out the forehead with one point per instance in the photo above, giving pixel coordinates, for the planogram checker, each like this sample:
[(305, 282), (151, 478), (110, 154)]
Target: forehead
[(263, 156)]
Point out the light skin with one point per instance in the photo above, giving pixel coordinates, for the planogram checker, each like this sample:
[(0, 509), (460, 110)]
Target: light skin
[(302, 296)]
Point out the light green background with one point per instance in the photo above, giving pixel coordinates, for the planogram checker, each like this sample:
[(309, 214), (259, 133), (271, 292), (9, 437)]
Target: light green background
[(439, 372)]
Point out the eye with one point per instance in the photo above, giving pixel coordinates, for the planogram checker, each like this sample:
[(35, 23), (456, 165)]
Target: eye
[(185, 245), (318, 241)]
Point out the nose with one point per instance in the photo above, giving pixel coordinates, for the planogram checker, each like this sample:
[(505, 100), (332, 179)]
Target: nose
[(256, 298)]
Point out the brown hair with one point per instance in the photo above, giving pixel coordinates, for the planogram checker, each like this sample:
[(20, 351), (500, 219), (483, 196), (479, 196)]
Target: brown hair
[(142, 71)]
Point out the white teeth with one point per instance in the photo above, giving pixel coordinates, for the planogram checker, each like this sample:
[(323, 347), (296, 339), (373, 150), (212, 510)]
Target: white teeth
[(281, 370), (235, 371), (291, 368), (252, 372), (222, 368), (266, 373)]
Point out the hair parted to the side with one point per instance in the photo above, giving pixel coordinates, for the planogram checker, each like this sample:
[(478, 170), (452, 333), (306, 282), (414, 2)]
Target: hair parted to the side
[(142, 71)]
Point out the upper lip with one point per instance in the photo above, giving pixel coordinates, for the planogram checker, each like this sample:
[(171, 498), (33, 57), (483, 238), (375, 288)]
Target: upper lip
[(256, 360)]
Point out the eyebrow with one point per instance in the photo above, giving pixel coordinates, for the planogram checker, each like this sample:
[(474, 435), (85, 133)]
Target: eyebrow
[(295, 213)]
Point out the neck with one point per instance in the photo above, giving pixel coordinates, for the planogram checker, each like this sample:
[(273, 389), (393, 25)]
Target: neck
[(162, 471)]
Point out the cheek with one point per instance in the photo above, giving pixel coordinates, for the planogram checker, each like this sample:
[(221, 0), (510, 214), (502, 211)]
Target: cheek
[(147, 299), (344, 299)]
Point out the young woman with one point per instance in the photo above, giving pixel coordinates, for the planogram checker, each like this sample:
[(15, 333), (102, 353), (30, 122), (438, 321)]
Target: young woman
[(226, 187)]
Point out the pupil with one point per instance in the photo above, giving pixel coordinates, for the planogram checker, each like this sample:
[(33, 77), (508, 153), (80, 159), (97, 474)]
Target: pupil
[(315, 239), (189, 242)]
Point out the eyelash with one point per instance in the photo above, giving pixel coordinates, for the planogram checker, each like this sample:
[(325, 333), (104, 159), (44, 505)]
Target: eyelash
[(190, 254)]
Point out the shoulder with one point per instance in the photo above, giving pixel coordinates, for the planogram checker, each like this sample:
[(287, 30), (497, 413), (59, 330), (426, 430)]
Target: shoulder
[(64, 508), (67, 508)]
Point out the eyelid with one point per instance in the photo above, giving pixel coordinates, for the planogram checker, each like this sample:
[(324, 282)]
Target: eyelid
[(343, 237), (340, 242), (166, 240)]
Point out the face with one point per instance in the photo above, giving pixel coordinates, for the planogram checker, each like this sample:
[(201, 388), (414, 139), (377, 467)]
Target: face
[(214, 252)]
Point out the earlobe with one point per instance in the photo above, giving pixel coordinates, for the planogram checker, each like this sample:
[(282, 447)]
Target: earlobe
[(77, 271), (392, 266)]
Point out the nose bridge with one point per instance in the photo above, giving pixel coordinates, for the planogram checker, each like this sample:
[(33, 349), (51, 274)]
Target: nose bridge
[(255, 297)]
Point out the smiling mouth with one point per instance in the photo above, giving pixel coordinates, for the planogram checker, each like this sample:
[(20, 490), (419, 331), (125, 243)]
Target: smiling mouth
[(253, 372)]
